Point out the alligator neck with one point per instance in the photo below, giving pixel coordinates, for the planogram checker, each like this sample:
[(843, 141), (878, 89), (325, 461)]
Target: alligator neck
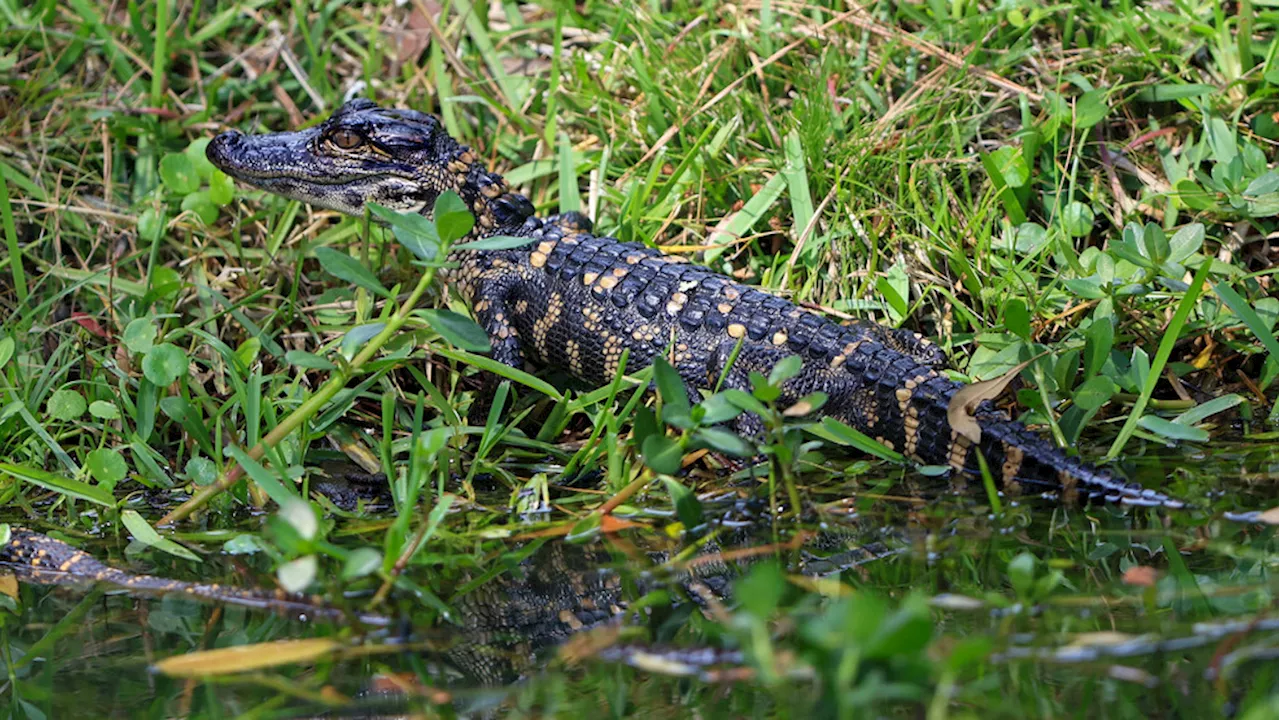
[(496, 207)]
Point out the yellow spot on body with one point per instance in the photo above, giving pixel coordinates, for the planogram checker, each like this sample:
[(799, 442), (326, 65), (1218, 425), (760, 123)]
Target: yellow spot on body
[(1070, 491), (959, 451), (608, 282), (612, 353), (780, 337), (537, 259), (543, 325), (619, 272), (724, 308), (522, 306), (837, 361), (676, 303), (736, 330), (589, 278), (911, 430), (904, 399), (575, 357), (546, 246), (1009, 471), (633, 259)]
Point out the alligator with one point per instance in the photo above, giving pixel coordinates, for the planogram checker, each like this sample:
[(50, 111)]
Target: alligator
[(574, 301)]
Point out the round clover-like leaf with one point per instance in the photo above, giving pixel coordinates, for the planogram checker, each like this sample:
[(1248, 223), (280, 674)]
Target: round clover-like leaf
[(106, 466), (139, 335), (164, 364), (66, 405)]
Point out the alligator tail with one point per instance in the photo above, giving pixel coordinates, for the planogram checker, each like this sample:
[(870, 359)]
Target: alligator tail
[(905, 404)]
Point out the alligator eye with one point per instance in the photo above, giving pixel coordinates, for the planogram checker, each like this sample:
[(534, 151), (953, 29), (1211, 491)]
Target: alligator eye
[(346, 139)]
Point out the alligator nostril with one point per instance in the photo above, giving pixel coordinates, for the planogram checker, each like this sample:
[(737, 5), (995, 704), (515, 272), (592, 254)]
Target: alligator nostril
[(217, 150)]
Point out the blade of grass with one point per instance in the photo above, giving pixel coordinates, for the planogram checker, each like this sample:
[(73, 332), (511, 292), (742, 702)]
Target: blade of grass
[(11, 241), (1171, 335)]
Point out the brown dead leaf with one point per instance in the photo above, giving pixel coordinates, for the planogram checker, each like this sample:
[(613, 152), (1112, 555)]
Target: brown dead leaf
[(1270, 517), (965, 402)]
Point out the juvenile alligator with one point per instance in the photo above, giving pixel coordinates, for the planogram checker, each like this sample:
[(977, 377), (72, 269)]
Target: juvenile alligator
[(574, 301)]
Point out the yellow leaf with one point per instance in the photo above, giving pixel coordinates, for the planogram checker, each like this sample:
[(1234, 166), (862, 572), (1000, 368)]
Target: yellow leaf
[(244, 658)]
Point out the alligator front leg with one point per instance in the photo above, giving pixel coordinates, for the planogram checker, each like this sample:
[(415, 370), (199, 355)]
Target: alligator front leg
[(491, 301)]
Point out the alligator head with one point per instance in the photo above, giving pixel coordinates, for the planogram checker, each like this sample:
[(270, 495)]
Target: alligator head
[(364, 153)]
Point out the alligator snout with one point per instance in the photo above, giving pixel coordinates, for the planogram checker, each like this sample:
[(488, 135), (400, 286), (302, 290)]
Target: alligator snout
[(221, 150)]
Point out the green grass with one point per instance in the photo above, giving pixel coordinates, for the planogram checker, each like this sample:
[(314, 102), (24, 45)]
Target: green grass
[(1094, 182)]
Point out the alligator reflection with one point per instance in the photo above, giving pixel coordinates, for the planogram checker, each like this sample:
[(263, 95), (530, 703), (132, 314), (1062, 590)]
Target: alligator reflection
[(504, 622), (505, 626)]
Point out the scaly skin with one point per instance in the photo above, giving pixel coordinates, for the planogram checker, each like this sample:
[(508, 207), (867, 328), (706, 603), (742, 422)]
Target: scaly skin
[(574, 301)]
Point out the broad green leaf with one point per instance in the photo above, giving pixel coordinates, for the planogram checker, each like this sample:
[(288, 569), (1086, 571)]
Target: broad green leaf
[(785, 369), (1091, 108), (1207, 409), (164, 364), (662, 454), (1221, 138), (1097, 345), (459, 330), (687, 507), (1173, 430), (1094, 393), (296, 575), (835, 431), (1187, 240), (106, 466), (65, 405), (142, 531), (221, 188), (1017, 319), (139, 335), (761, 590), (345, 267), (415, 232), (452, 218), (496, 242), (360, 562), (201, 470), (1077, 218), (179, 174), (104, 410), (199, 203), (724, 441), (670, 386), (309, 361), (356, 338)]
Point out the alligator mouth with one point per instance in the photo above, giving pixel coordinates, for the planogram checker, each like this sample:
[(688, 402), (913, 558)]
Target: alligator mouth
[(281, 160)]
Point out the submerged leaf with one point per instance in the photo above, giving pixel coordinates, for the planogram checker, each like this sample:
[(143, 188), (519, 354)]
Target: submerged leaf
[(244, 658)]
